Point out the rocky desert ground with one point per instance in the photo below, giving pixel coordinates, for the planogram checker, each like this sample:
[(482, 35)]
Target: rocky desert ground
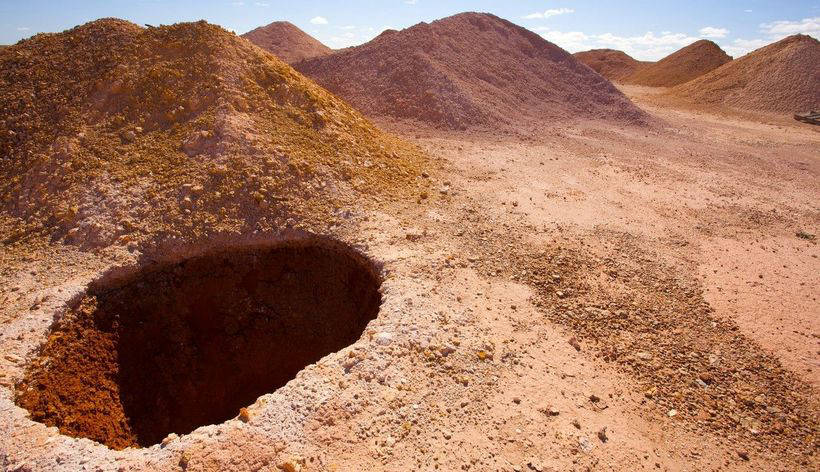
[(244, 272)]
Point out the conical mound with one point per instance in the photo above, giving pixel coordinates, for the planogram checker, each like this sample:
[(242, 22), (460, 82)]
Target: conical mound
[(612, 64), (113, 132), (681, 66), (287, 42), (781, 77), (469, 70)]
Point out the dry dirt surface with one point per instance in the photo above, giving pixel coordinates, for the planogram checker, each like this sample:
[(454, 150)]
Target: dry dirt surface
[(681, 66), (781, 77), (287, 42), (612, 64), (471, 70), (594, 297)]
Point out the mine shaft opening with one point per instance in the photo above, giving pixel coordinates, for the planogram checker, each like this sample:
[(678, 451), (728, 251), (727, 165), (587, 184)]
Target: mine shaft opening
[(189, 343)]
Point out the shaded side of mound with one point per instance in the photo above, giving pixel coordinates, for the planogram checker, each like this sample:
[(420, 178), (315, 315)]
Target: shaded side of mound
[(467, 71), (781, 77), (287, 42), (611, 63), (681, 66), (112, 132)]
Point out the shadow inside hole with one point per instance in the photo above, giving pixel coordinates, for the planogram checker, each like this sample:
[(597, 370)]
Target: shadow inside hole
[(188, 344)]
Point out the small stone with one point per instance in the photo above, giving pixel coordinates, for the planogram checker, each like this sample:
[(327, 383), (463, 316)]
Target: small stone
[(594, 398), (169, 439), (184, 460), (602, 435), (574, 343), (671, 413), (383, 338), (644, 356), (244, 415), (290, 466), (517, 400), (128, 136), (553, 412), (584, 444), (743, 455), (14, 359), (576, 423), (535, 464)]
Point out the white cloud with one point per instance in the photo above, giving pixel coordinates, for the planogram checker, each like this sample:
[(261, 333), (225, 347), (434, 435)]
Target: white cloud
[(549, 13), (318, 20), (411, 2), (349, 36), (23, 28), (774, 31), (262, 4), (648, 46), (712, 32), (740, 47), (781, 29), (238, 4), (748, 11)]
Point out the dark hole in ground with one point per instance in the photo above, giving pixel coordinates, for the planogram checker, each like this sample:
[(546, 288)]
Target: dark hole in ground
[(190, 343)]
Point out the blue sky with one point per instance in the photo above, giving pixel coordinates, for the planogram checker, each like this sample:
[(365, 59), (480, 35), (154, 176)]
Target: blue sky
[(646, 29)]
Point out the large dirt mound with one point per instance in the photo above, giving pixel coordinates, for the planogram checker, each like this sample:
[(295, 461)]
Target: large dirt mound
[(111, 132), (287, 42), (681, 66), (469, 70), (612, 64), (781, 77)]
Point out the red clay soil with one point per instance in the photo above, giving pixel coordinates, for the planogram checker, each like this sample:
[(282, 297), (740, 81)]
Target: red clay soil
[(781, 77), (191, 343), (681, 66), (469, 70), (287, 42), (612, 64)]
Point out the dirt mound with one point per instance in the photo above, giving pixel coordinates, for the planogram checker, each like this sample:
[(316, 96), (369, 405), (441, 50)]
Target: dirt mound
[(681, 66), (287, 42), (112, 132), (469, 70), (780, 77), (612, 64)]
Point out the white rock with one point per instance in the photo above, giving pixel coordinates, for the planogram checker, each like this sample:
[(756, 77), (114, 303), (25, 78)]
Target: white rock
[(383, 338)]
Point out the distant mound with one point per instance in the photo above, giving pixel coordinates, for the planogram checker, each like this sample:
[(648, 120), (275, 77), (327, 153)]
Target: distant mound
[(612, 64), (681, 66), (781, 77), (113, 132), (287, 42), (469, 70)]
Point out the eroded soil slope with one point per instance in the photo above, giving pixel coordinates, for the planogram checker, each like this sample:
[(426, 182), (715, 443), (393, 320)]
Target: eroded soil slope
[(781, 77), (113, 132), (287, 42), (681, 66), (612, 64), (469, 70)]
